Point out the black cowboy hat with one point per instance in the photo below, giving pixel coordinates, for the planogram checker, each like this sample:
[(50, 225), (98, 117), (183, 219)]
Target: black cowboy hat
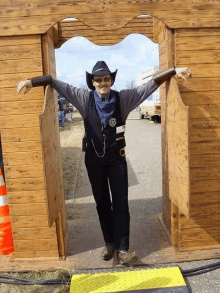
[(100, 68)]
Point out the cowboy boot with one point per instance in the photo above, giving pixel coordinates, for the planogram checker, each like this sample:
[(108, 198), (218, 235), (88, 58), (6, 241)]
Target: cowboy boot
[(126, 258), (108, 251)]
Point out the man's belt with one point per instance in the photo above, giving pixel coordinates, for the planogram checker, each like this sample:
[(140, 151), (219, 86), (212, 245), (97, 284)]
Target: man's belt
[(117, 144)]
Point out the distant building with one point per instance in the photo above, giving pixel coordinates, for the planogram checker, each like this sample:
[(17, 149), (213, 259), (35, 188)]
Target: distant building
[(151, 107)]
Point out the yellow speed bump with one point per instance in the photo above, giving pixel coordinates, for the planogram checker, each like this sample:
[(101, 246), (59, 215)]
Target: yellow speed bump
[(146, 280)]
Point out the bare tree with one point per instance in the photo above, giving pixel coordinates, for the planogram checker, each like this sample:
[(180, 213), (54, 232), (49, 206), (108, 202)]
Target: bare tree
[(130, 84)]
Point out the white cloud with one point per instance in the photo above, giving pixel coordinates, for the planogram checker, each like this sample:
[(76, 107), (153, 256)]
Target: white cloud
[(120, 59), (120, 76), (155, 55), (77, 77), (91, 62), (69, 19), (61, 71), (77, 40)]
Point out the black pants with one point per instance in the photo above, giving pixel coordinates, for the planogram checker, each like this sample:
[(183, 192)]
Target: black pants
[(110, 172)]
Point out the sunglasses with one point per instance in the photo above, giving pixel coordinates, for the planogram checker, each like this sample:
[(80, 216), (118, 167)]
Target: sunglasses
[(99, 80)]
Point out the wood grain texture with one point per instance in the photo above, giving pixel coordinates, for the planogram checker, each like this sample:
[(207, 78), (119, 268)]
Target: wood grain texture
[(160, 37), (25, 184), (198, 98), (12, 121), (199, 222), (51, 149), (28, 255), (199, 84), (178, 149), (188, 43), (25, 107), (30, 245), (205, 185), (196, 32), (164, 36), (30, 221), (174, 225), (199, 57), (198, 232), (21, 40), (203, 127), (204, 147), (203, 160), (27, 146), (70, 29), (24, 171), (21, 197), (19, 65), (34, 233), (10, 95), (38, 16), (27, 209), (21, 58), (21, 135), (198, 49)]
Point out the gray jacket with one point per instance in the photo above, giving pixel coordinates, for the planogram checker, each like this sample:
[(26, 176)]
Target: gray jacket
[(129, 98)]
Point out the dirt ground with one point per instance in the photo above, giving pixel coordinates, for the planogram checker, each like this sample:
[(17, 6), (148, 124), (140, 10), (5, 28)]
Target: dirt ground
[(72, 156), (71, 151)]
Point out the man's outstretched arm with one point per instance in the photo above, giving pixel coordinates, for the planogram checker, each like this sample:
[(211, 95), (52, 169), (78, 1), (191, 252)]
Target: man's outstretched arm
[(164, 75), (132, 98), (78, 97)]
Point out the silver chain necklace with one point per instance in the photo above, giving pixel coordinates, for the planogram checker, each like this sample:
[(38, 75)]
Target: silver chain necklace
[(103, 152)]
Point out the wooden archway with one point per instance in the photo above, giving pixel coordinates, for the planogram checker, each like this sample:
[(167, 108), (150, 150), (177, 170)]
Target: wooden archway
[(188, 35)]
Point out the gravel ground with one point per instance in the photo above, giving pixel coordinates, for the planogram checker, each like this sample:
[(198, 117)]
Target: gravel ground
[(71, 145)]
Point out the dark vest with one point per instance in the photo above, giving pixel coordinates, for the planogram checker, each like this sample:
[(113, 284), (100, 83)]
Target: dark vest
[(95, 134)]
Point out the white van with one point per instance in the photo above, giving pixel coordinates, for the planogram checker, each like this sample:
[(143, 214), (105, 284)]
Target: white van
[(151, 107)]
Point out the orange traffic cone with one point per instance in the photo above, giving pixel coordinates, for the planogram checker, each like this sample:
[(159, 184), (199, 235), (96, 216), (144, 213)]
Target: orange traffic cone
[(6, 239)]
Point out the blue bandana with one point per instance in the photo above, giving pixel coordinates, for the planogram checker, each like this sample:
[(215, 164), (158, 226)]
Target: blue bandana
[(105, 109)]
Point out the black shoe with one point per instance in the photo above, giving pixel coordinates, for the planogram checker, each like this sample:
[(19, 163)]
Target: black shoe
[(108, 251), (126, 258)]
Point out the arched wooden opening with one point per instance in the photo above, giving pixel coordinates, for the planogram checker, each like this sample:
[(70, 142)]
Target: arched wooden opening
[(64, 30), (189, 38), (69, 29)]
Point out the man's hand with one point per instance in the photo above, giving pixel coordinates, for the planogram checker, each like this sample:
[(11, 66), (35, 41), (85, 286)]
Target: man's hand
[(183, 70), (25, 83)]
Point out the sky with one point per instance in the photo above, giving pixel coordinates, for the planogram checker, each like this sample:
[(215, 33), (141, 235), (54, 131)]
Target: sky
[(132, 55)]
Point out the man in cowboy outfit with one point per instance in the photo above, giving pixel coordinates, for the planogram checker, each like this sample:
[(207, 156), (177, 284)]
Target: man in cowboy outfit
[(105, 112)]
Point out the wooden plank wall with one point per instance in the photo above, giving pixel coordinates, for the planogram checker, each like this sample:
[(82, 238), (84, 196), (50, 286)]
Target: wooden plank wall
[(50, 138), (178, 149), (164, 37), (37, 16), (51, 145), (199, 49), (21, 58), (70, 29)]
